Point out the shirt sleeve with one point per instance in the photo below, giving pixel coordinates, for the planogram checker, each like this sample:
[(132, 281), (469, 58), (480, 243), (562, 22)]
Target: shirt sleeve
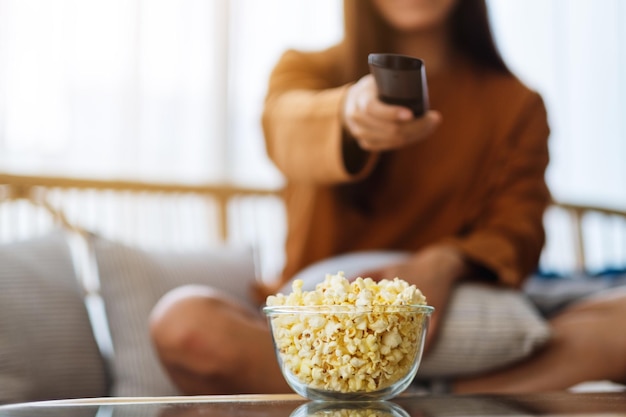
[(302, 121), (508, 235)]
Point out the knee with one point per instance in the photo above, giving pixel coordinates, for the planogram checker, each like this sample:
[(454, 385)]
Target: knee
[(178, 321)]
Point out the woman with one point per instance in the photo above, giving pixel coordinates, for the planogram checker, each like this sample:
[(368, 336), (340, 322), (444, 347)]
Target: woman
[(462, 187)]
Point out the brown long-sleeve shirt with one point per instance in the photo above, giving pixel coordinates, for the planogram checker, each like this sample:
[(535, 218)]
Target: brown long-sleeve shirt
[(477, 183)]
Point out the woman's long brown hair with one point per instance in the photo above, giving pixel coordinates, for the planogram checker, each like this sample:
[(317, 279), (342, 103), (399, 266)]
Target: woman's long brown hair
[(365, 31)]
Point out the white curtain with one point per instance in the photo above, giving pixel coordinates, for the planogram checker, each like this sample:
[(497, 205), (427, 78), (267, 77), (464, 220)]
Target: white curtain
[(260, 32), (574, 53), (122, 88), (155, 89)]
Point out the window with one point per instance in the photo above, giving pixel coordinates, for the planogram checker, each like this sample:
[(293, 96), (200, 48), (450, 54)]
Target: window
[(574, 53)]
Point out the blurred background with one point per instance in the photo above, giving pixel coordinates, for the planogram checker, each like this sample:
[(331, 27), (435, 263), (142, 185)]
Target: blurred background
[(172, 90)]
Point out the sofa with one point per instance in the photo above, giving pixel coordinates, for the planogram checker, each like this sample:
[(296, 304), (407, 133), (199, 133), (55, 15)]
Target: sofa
[(74, 308)]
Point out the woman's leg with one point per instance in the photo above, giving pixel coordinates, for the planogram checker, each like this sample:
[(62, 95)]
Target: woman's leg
[(588, 344), (211, 344)]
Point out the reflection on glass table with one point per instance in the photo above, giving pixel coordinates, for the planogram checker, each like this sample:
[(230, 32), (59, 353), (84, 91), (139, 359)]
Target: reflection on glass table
[(350, 409)]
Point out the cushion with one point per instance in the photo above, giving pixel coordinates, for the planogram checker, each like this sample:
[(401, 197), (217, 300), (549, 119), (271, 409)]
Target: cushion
[(133, 280), (485, 327), (47, 349), (553, 293)]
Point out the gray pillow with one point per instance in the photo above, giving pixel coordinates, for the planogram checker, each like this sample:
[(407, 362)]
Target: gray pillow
[(133, 280), (47, 349), (485, 327)]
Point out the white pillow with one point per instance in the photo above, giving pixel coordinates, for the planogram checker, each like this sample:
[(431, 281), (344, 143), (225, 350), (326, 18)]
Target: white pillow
[(352, 264), (133, 280), (485, 327), (47, 348)]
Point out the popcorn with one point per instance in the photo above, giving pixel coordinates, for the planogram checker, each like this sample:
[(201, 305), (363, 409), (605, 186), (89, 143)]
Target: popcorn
[(347, 412), (362, 336), (349, 409), (343, 409)]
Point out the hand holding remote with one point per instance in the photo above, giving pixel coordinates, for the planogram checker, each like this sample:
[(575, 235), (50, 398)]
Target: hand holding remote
[(388, 108)]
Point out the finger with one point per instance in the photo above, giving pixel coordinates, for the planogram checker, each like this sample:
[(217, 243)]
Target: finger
[(407, 133), (368, 103), (366, 127), (383, 111), (374, 134), (367, 118), (371, 129), (425, 125)]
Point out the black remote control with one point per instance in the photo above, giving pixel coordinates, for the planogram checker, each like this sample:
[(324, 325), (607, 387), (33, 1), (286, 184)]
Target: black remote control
[(401, 80)]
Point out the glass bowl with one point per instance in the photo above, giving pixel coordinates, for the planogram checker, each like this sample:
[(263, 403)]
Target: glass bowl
[(349, 353)]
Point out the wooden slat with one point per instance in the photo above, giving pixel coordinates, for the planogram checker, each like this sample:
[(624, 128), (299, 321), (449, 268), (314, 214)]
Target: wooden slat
[(30, 187), (23, 183), (577, 213), (586, 208)]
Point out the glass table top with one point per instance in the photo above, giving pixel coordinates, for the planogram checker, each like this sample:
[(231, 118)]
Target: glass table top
[(289, 405)]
